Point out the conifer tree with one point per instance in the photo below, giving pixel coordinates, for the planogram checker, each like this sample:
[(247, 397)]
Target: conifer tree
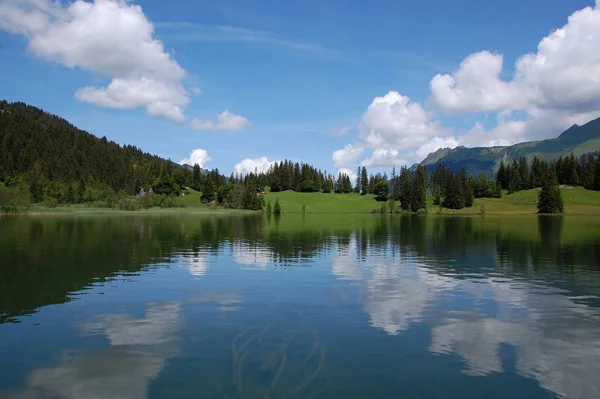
[(209, 192), (419, 193), (364, 181), (277, 207), (405, 189), (549, 199)]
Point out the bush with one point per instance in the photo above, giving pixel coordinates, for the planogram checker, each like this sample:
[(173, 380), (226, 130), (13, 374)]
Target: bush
[(277, 208), (13, 199), (129, 204), (50, 202)]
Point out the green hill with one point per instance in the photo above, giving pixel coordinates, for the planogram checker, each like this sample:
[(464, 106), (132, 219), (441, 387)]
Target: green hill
[(577, 140)]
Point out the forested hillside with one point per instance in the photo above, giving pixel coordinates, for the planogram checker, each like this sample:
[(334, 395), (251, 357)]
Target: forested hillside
[(56, 159)]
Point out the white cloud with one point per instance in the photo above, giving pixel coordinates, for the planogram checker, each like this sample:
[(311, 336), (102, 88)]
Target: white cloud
[(397, 130), (555, 87), (394, 122), (435, 144), (226, 121), (198, 156), (346, 156), (551, 89), (476, 87), (250, 165), (112, 38), (385, 157), (338, 130)]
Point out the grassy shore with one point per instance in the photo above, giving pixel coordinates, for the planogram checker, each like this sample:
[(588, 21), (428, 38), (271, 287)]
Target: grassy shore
[(578, 201)]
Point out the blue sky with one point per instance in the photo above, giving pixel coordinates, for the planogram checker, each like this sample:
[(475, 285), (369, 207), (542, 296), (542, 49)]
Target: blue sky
[(302, 80)]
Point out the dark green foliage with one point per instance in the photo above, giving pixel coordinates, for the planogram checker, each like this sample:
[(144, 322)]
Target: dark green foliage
[(166, 185), (343, 184), (59, 161), (209, 192), (405, 184), (197, 182), (550, 200), (364, 181), (502, 176), (437, 197), (269, 208), (482, 187), (465, 188), (453, 197), (588, 170), (225, 193), (395, 185), (596, 184), (14, 198), (419, 190), (381, 191), (277, 207)]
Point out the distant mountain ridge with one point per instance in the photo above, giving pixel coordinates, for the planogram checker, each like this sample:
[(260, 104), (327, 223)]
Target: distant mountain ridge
[(576, 140)]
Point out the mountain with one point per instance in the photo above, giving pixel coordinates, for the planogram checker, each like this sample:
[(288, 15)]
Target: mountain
[(576, 140)]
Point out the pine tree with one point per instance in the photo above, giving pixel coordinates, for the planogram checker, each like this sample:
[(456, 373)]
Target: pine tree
[(419, 193), (466, 192), (209, 193), (588, 171), (549, 199), (381, 190), (405, 189), (596, 185), (364, 181), (502, 176), (277, 207)]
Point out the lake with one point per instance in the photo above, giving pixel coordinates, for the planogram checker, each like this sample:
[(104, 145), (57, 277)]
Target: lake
[(314, 306)]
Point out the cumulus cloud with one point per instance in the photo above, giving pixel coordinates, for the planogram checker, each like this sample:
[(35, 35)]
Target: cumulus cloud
[(476, 87), (562, 74), (435, 144), (112, 38), (396, 130), (551, 89), (554, 87), (385, 157), (198, 156), (346, 156), (250, 165), (226, 121)]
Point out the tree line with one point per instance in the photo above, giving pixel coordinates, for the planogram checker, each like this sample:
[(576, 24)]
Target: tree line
[(522, 175)]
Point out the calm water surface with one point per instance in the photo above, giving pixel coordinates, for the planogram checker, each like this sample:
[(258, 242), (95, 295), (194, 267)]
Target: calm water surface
[(299, 307)]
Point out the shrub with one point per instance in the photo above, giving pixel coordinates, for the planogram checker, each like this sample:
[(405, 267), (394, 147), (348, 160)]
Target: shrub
[(50, 202), (277, 208)]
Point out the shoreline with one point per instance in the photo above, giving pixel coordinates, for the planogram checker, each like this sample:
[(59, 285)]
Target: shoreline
[(205, 211)]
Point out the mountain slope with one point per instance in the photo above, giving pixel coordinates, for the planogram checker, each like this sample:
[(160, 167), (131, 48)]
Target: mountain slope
[(577, 140), (51, 154)]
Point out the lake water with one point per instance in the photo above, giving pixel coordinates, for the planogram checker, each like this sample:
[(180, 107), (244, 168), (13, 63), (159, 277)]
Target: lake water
[(299, 307)]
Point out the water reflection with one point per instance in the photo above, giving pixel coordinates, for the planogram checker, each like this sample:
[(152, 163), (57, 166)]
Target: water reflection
[(557, 337), (468, 287), (138, 352)]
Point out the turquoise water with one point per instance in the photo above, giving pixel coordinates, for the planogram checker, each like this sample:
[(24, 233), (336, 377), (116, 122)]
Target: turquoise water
[(299, 307)]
